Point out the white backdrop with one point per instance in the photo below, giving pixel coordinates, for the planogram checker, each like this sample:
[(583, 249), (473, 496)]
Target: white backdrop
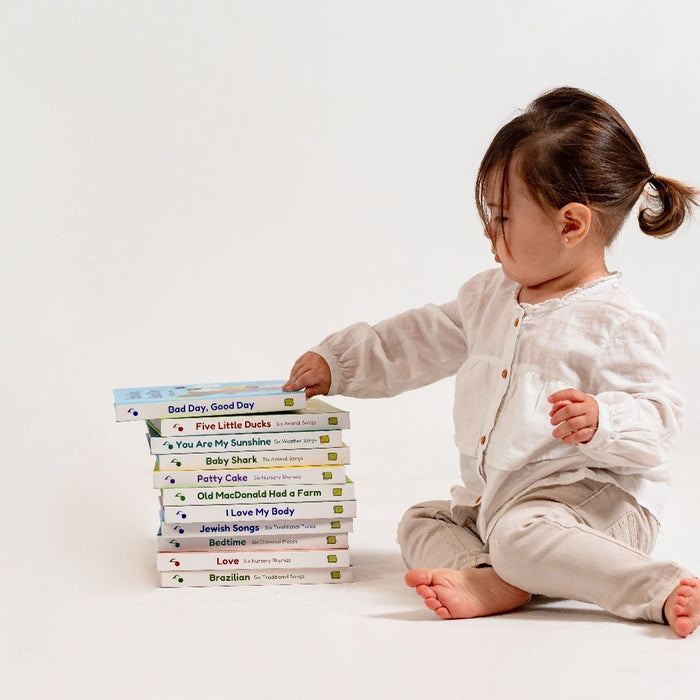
[(199, 191)]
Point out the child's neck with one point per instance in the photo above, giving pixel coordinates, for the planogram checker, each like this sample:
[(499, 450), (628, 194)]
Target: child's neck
[(560, 286)]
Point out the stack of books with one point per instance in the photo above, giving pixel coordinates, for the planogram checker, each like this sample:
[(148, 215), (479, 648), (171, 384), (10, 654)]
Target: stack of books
[(252, 481)]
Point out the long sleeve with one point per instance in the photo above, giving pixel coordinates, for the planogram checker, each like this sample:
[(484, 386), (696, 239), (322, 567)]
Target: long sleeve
[(405, 352), (640, 411)]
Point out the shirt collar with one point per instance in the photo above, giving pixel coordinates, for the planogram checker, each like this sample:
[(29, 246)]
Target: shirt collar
[(575, 294)]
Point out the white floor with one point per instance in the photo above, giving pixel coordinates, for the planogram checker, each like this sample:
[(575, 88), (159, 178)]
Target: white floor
[(83, 616)]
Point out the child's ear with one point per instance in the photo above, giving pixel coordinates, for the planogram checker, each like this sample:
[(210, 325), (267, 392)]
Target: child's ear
[(575, 222)]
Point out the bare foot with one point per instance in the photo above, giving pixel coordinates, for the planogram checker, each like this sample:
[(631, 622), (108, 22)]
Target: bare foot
[(453, 594), (682, 607)]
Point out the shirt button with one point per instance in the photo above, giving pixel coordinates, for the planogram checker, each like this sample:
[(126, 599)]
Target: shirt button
[(516, 323), (504, 373), (482, 440)]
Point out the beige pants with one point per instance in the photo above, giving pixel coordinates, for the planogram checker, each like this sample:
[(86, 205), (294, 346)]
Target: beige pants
[(586, 541)]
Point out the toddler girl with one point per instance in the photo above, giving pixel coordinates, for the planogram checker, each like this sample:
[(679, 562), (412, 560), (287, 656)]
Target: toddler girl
[(564, 410)]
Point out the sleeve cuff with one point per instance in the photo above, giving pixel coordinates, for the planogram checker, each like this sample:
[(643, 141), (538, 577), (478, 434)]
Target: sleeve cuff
[(604, 434)]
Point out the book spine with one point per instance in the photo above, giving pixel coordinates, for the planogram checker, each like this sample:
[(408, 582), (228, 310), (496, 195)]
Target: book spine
[(181, 408), (270, 423), (256, 458), (259, 559), (254, 577), (324, 474), (272, 528), (240, 542), (257, 494), (260, 511), (226, 443)]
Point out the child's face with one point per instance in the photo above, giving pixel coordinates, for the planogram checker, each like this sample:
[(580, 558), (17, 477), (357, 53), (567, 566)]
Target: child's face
[(525, 239)]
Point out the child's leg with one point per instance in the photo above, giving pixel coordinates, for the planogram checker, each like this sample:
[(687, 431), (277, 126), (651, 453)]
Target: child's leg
[(451, 569), (429, 537), (586, 541)]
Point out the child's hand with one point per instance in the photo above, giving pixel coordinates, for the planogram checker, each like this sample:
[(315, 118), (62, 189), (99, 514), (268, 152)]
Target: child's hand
[(310, 371), (575, 414)]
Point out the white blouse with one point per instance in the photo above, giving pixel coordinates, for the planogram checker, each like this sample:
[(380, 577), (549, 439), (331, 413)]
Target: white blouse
[(508, 358)]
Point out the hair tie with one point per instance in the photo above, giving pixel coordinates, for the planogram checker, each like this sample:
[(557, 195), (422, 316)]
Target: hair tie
[(651, 179)]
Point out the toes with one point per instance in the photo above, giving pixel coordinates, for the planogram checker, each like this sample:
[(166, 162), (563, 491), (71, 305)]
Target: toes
[(444, 613), (433, 603), (679, 609), (684, 626), (425, 591), (417, 577), (438, 608)]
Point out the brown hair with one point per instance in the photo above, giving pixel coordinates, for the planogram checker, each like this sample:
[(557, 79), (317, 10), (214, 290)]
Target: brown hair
[(571, 146)]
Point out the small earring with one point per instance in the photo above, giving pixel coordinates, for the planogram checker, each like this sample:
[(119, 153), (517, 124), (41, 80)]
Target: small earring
[(566, 239)]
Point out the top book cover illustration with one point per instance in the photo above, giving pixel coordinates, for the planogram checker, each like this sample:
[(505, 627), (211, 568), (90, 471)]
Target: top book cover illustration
[(234, 398)]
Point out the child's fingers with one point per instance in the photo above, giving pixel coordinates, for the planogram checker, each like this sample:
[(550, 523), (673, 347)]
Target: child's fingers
[(293, 383), (310, 371), (572, 425), (568, 395), (566, 411), (557, 406), (580, 436), (300, 378), (575, 415), (300, 368)]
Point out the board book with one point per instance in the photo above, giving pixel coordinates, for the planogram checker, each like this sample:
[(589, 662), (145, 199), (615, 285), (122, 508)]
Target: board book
[(260, 511), (300, 440), (185, 478), (225, 398), (312, 456), (228, 543), (186, 530), (272, 493), (252, 559), (318, 415), (254, 577)]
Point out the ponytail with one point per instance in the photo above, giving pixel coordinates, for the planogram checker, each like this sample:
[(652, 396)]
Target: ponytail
[(667, 203)]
